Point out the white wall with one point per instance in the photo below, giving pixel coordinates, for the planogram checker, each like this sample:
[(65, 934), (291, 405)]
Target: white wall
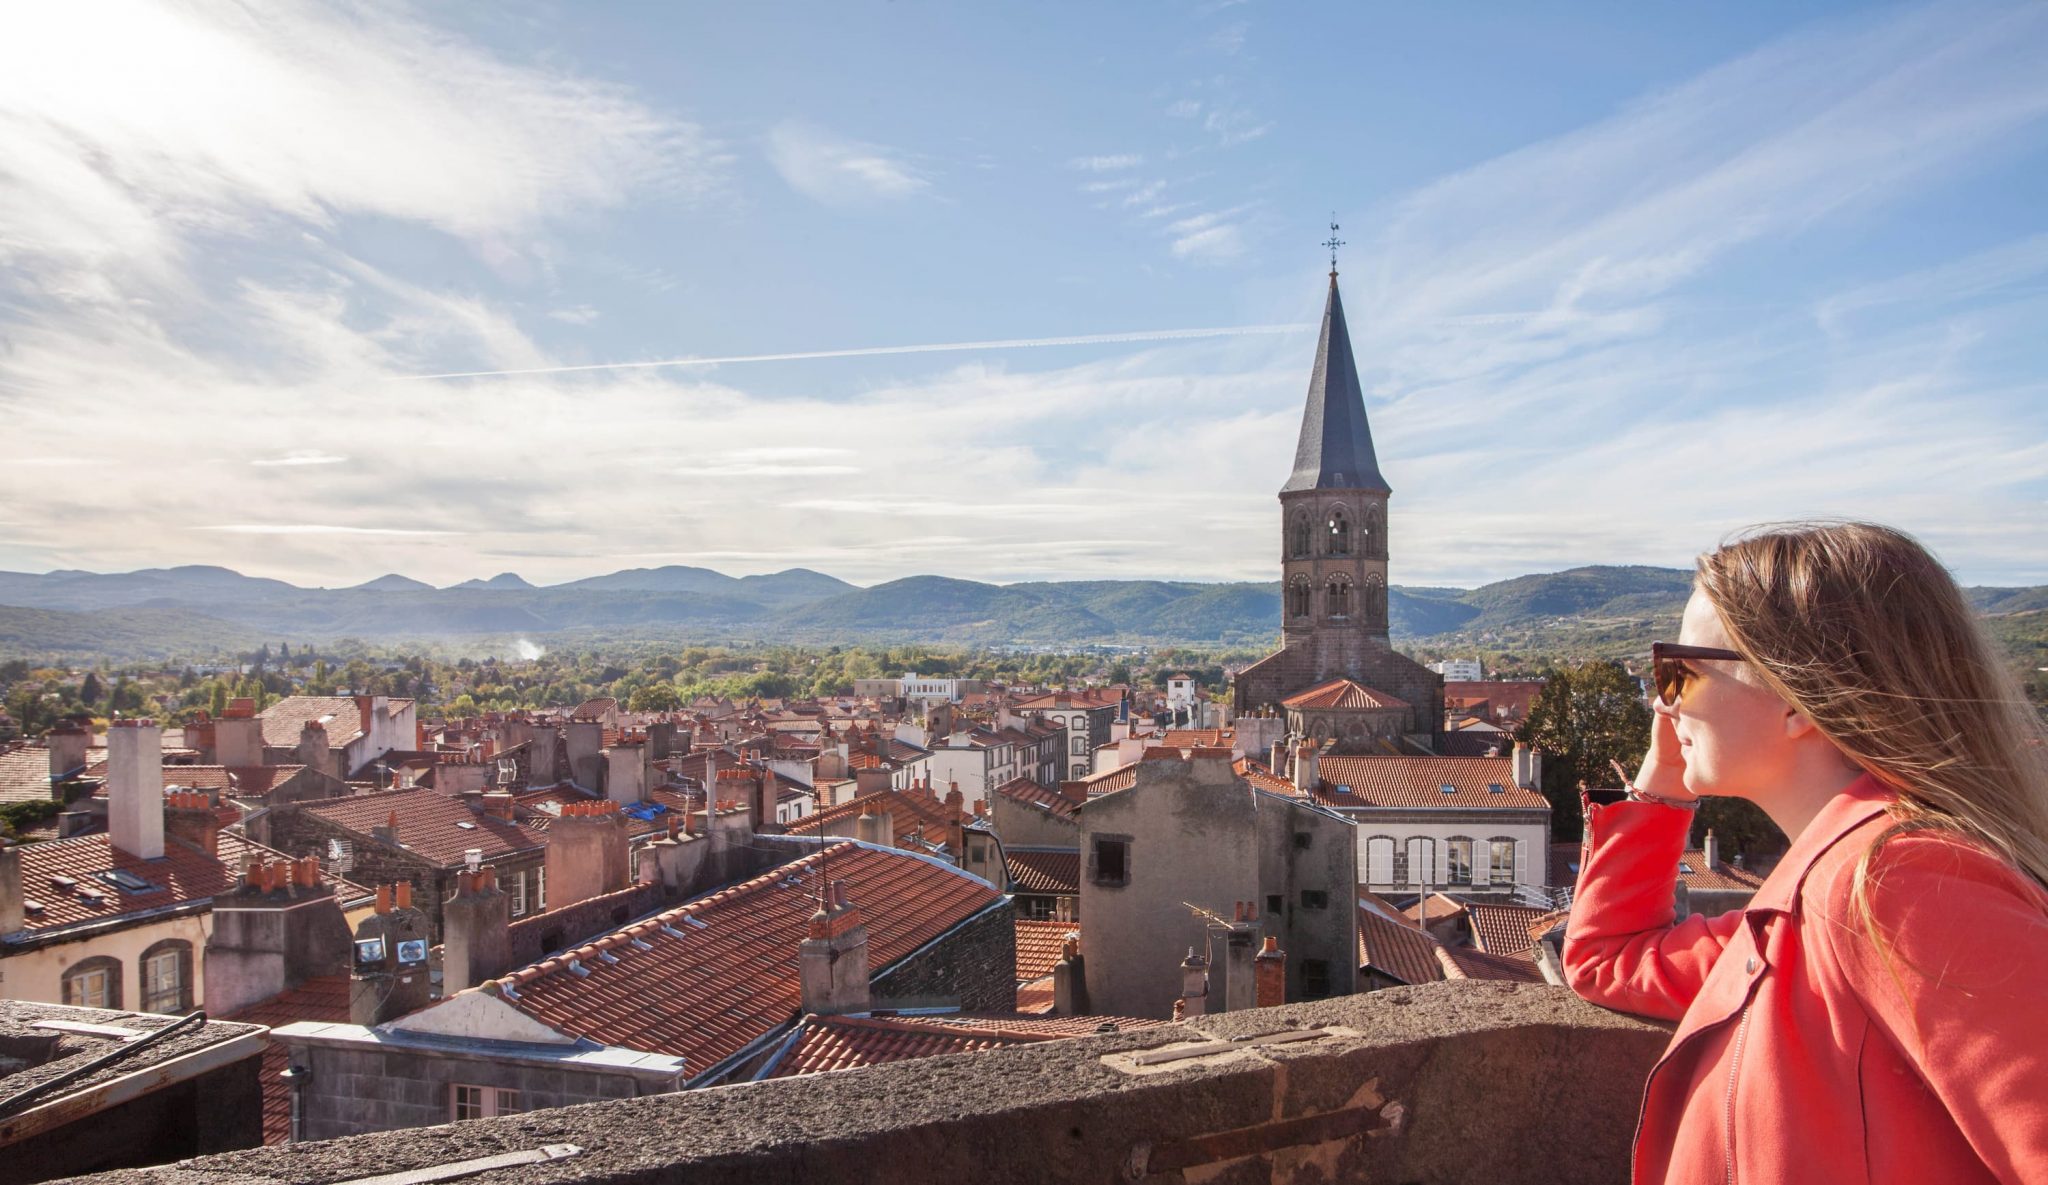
[(1531, 849), (38, 975)]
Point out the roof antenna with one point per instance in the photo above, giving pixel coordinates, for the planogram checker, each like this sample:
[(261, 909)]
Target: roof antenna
[(1333, 242)]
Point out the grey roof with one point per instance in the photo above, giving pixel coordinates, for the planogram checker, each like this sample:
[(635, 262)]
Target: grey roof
[(1335, 452)]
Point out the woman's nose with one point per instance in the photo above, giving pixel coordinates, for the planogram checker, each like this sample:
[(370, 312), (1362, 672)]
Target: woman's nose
[(1658, 706)]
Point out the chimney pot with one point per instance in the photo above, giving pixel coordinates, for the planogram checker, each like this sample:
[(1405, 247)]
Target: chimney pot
[(403, 894), (383, 898)]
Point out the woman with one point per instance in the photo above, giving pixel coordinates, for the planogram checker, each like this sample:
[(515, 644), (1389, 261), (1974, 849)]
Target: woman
[(1879, 1011)]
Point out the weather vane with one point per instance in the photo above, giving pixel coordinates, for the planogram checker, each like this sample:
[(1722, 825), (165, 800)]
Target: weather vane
[(1333, 243)]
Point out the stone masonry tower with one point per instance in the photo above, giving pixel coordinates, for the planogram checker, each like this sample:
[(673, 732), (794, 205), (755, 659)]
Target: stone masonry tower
[(1333, 516)]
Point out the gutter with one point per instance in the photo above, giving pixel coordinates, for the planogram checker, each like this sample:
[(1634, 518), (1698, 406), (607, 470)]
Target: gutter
[(23, 941)]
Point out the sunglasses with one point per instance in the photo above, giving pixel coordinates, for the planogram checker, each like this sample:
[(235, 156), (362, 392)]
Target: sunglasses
[(1669, 672)]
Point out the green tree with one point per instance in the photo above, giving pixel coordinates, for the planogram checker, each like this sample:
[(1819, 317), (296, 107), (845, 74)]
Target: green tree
[(655, 697), (1586, 718), (90, 691)]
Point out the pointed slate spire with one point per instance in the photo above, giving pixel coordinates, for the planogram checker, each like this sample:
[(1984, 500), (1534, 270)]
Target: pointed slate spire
[(1335, 452)]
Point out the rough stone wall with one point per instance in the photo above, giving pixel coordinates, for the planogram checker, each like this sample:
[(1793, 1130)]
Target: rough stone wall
[(1450, 1083), (353, 1091), (977, 965), (217, 1111), (1327, 865)]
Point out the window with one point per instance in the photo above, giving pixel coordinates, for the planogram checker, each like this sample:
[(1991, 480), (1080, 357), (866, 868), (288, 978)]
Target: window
[(1340, 597), (1373, 534), (1421, 861), (519, 894), (1297, 597), (1500, 861), (977, 851), (1315, 979), (1340, 532), (1375, 599), (93, 983), (1298, 536), (1110, 862), (167, 977), (540, 894), (1302, 840), (1458, 860), (480, 1102), (1275, 904), (1314, 899), (1379, 860), (1080, 746)]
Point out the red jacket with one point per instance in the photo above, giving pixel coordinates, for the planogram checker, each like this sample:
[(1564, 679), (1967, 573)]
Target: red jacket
[(1800, 1055)]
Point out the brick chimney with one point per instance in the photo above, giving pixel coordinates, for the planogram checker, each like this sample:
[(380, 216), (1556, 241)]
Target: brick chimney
[(12, 917), (871, 780), (475, 943), (1271, 971), (280, 927), (586, 853), (68, 741), (875, 825), (498, 804), (189, 815), (832, 960), (238, 735), (135, 788), (314, 752)]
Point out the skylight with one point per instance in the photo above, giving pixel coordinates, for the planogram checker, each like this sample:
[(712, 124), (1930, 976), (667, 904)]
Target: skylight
[(1448, 788)]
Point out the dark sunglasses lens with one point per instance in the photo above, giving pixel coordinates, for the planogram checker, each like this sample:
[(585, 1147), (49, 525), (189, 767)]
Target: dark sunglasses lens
[(1669, 675)]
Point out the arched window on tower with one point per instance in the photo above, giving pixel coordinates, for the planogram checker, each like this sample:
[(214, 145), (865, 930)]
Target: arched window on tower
[(1375, 599), (1298, 534), (1340, 532), (1340, 597), (1297, 597), (1374, 534)]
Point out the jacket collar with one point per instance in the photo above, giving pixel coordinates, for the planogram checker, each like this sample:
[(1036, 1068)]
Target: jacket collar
[(1861, 801)]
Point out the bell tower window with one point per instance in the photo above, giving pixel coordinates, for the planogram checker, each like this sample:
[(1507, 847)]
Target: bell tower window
[(1340, 597), (1340, 532), (1298, 534), (1374, 534), (1297, 597)]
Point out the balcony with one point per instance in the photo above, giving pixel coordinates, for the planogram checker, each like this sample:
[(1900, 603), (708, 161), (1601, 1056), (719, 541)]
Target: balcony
[(1455, 1082)]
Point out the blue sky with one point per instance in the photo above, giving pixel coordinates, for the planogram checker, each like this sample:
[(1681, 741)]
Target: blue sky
[(1622, 278)]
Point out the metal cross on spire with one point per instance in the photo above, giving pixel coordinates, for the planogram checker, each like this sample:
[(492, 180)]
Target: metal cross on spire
[(1333, 242)]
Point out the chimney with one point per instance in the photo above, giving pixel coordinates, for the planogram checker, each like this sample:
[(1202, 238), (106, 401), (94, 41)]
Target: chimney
[(238, 735), (1070, 980), (498, 804), (68, 741), (135, 788), (313, 750), (1278, 762), (1272, 974), (586, 853), (1240, 942), (584, 740), (1528, 767), (475, 942), (872, 780), (269, 937), (190, 816), (389, 831), (625, 780), (12, 917), (1713, 851), (1194, 984), (390, 976), (1307, 767), (832, 961), (875, 825), (366, 712)]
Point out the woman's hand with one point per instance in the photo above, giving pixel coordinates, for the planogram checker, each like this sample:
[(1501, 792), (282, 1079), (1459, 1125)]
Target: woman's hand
[(1663, 772)]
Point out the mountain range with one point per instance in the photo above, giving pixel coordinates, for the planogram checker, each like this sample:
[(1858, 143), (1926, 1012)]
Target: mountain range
[(197, 609)]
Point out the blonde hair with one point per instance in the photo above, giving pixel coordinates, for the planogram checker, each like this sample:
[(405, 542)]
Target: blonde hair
[(1864, 632)]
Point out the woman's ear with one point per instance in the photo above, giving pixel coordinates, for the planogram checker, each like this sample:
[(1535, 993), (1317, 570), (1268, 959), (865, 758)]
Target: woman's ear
[(1797, 726)]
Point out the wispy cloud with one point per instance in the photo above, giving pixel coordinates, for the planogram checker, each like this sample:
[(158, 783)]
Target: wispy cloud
[(313, 529), (581, 314), (1107, 164), (301, 457), (839, 171)]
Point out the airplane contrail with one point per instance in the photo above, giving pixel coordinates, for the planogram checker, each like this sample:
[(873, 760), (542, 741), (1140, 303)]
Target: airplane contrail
[(1022, 343)]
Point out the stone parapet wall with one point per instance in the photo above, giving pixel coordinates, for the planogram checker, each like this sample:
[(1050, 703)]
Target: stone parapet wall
[(1453, 1082)]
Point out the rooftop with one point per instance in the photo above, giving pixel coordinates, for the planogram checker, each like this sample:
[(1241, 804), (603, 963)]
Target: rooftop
[(1342, 694), (432, 824), (1355, 782)]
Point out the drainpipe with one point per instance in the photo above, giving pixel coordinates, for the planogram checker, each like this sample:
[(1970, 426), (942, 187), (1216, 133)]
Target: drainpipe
[(296, 1077)]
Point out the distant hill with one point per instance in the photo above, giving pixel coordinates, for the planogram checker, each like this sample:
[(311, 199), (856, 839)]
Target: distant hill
[(201, 609)]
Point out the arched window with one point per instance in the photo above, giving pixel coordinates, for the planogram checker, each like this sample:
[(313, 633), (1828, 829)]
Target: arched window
[(93, 983), (1340, 532), (1379, 860), (1374, 534), (1339, 597), (1458, 860), (1298, 534), (167, 977), (1375, 599), (1500, 860), (1297, 597)]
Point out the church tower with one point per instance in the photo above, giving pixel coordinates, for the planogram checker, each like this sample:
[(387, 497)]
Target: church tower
[(1337, 676), (1333, 516)]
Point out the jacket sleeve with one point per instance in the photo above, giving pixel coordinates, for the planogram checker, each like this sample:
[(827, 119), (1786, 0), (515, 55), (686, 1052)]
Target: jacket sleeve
[(1960, 993), (1621, 949)]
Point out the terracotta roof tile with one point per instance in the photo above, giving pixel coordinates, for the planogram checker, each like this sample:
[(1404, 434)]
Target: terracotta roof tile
[(1396, 949), (1419, 781), (705, 980), (1343, 694), (184, 874), (429, 823), (1463, 962), (1694, 870), (25, 774), (284, 720), (1036, 870), (1035, 996), (1046, 798), (1504, 929), (1038, 946), (910, 812), (322, 998)]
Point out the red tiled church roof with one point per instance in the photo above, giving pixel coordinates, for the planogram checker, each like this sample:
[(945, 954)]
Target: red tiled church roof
[(1343, 694)]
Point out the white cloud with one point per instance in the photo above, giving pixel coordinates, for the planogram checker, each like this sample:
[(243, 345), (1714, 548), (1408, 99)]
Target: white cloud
[(581, 314), (312, 529), (301, 457), (1234, 125), (1106, 164), (839, 171), (1184, 108)]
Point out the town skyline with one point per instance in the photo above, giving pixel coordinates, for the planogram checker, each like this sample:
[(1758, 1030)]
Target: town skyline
[(1608, 306)]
